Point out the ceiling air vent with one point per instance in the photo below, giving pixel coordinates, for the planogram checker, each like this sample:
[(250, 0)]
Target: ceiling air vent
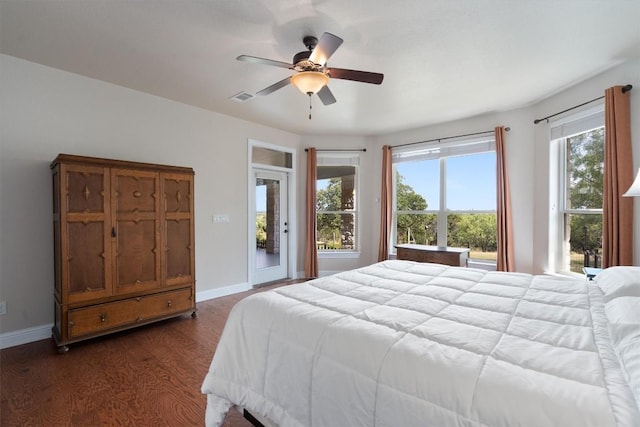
[(242, 96)]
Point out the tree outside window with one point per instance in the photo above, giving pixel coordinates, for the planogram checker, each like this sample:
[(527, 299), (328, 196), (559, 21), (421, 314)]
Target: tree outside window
[(336, 208), (584, 167)]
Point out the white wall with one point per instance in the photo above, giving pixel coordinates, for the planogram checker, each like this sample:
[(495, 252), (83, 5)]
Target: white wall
[(44, 111)]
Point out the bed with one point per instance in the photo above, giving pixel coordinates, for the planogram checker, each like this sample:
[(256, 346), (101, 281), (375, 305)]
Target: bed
[(400, 343)]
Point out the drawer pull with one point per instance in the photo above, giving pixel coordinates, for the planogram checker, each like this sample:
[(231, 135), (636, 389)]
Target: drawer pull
[(138, 319), (103, 317), (139, 299), (169, 303), (138, 282)]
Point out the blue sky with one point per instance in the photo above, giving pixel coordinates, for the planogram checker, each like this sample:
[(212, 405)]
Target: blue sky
[(471, 181), (261, 198)]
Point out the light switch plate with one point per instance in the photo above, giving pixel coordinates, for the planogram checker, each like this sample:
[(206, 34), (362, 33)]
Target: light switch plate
[(220, 218)]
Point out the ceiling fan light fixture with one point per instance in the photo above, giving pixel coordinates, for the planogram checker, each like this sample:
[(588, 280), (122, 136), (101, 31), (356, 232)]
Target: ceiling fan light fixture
[(309, 82)]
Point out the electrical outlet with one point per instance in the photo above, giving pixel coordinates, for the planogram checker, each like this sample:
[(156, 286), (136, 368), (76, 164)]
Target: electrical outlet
[(3, 307)]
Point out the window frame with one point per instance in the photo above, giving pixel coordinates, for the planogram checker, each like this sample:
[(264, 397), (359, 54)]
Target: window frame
[(332, 158), (560, 131), (455, 148)]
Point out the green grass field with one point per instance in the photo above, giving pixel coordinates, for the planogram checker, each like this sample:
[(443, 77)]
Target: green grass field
[(475, 254)]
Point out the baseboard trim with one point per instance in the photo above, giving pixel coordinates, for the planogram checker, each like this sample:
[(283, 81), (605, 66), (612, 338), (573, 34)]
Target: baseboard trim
[(25, 336), (222, 292)]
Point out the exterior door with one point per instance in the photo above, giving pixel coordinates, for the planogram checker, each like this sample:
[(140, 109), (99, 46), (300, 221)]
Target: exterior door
[(271, 243)]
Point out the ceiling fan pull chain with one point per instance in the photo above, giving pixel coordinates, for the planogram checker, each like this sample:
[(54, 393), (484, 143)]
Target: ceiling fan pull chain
[(310, 105)]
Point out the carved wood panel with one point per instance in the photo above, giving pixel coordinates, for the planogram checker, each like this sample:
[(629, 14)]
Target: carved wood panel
[(136, 230), (178, 229), (85, 191), (84, 258), (178, 243), (178, 195)]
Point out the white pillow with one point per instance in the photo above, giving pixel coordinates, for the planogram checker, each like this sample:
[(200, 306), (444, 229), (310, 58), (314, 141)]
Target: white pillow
[(624, 310), (619, 282)]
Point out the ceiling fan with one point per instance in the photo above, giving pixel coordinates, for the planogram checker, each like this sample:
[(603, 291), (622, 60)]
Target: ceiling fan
[(312, 74)]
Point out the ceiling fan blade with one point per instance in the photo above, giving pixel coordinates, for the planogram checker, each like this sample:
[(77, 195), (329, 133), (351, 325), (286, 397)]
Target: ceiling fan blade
[(274, 87), (326, 96), (327, 44), (355, 75), (264, 61)]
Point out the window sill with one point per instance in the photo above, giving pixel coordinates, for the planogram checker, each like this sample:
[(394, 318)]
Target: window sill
[(481, 264), (337, 255)]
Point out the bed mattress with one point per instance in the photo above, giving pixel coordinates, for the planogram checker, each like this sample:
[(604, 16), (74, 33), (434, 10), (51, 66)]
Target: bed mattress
[(400, 343)]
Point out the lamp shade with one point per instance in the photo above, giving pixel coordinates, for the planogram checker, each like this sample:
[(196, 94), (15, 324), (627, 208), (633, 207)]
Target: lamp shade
[(634, 190), (309, 82)]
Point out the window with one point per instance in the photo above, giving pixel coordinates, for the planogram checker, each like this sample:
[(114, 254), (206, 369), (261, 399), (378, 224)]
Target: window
[(580, 143), (337, 204), (445, 195)]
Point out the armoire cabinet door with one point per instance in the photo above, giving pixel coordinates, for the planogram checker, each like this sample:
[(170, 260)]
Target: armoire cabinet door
[(179, 231), (136, 230), (84, 223)]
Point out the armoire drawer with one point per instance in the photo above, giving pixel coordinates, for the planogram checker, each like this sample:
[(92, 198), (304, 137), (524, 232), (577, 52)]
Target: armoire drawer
[(118, 314)]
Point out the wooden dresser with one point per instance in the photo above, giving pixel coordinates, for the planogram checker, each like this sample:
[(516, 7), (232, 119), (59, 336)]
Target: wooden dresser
[(124, 251), (437, 254)]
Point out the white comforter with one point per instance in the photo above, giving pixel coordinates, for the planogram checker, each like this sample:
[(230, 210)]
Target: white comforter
[(407, 344)]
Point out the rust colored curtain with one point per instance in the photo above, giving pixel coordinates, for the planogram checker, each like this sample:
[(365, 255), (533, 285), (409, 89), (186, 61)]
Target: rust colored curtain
[(617, 211), (505, 261), (311, 250), (385, 204)]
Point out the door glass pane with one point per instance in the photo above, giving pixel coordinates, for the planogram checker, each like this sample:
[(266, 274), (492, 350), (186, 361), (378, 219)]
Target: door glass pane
[(266, 156), (267, 223)]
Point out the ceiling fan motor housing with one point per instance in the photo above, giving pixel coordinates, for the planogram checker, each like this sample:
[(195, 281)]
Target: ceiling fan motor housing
[(310, 42), (301, 62), (301, 59)]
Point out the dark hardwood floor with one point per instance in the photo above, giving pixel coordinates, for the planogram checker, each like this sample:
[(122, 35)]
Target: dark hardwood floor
[(149, 376)]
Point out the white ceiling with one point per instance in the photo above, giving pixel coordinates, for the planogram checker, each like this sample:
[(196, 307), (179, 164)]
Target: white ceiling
[(442, 59)]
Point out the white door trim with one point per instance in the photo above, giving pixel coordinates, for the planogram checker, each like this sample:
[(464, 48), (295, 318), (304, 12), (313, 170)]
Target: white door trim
[(291, 206)]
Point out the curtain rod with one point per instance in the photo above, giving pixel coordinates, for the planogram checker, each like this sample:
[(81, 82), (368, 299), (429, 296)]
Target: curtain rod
[(625, 89), (447, 137), (338, 149)]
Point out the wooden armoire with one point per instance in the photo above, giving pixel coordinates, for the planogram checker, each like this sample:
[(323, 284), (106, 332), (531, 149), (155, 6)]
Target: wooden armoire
[(123, 245)]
